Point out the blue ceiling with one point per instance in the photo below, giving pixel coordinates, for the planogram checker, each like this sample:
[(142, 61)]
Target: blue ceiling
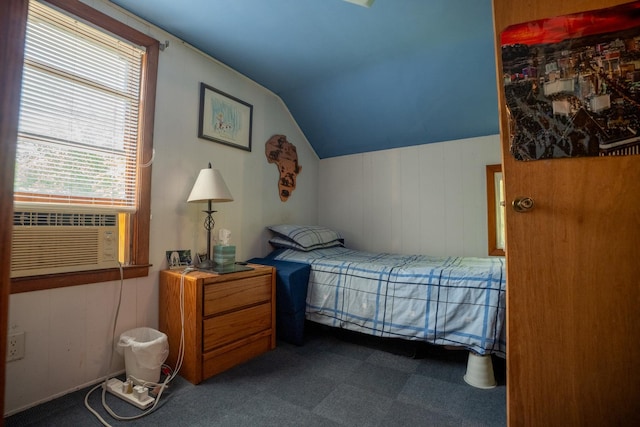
[(356, 79)]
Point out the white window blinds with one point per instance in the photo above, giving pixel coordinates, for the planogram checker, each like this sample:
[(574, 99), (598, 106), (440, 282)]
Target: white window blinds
[(79, 116)]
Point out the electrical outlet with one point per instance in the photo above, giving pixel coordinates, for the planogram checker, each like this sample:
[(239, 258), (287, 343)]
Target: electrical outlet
[(15, 346)]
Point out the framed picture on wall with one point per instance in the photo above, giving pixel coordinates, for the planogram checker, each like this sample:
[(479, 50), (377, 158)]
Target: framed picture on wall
[(224, 118)]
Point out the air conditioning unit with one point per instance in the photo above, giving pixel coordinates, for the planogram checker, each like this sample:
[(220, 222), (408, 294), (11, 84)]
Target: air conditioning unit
[(46, 242)]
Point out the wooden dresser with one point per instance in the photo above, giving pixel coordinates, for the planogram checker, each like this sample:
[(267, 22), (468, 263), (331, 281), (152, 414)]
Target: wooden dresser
[(228, 318)]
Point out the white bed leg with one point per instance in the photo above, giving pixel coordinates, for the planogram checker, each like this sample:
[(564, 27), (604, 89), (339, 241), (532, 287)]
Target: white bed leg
[(480, 371)]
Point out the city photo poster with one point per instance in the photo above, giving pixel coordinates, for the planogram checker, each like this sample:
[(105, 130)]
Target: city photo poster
[(572, 84)]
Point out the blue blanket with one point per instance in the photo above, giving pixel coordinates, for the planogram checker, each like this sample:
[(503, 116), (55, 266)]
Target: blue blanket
[(454, 301)]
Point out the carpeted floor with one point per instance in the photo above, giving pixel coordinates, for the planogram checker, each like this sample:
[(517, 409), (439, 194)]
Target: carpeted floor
[(335, 379)]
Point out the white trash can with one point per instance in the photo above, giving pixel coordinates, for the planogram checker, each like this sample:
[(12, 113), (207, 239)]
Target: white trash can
[(145, 350)]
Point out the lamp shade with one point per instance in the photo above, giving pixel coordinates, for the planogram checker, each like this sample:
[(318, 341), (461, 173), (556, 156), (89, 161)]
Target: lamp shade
[(210, 187)]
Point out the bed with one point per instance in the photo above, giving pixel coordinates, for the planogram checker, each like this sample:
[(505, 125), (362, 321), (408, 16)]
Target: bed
[(449, 301)]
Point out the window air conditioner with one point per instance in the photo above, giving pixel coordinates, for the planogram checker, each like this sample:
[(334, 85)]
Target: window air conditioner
[(46, 242)]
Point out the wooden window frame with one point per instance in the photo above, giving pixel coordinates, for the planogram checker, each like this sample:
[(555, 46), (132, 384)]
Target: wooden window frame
[(492, 223), (140, 224)]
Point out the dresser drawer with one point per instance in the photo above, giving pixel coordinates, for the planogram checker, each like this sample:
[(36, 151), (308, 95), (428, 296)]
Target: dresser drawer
[(227, 296), (220, 330), (223, 358)]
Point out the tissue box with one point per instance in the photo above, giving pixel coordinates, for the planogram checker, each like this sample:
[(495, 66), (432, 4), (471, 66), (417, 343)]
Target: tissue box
[(224, 254)]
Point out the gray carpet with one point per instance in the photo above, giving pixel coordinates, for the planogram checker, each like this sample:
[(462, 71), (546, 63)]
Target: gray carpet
[(335, 379)]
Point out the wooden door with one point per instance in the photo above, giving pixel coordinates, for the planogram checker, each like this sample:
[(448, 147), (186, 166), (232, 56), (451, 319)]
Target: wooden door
[(13, 21), (573, 273)]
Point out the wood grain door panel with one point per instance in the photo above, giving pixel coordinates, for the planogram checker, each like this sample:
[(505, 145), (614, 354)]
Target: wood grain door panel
[(573, 263)]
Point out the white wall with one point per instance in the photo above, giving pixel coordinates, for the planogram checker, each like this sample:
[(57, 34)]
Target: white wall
[(427, 199), (68, 330)]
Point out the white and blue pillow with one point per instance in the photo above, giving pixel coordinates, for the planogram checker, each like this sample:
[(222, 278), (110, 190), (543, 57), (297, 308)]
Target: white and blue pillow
[(304, 237)]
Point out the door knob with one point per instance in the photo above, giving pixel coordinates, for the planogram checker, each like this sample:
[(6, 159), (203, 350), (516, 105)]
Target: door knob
[(523, 204)]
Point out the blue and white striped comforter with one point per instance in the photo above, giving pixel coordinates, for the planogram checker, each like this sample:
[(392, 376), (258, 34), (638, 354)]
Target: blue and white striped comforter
[(456, 301)]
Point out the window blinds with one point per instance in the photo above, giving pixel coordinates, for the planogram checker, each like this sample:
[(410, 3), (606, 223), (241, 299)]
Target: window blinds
[(78, 131)]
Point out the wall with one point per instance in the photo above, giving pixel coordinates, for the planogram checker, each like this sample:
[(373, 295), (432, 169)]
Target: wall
[(68, 330), (428, 199)]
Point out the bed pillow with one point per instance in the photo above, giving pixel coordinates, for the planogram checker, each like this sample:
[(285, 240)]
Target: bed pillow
[(308, 237), (284, 243)]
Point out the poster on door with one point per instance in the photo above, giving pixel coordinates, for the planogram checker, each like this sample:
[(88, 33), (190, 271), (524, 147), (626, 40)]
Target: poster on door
[(572, 84)]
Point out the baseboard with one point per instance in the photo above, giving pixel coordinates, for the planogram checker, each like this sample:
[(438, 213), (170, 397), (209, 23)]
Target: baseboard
[(60, 394)]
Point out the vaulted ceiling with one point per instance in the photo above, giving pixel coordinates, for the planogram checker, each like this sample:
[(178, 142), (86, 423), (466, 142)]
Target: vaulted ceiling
[(356, 79)]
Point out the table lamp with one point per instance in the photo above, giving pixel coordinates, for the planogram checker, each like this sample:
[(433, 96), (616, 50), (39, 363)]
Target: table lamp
[(209, 187)]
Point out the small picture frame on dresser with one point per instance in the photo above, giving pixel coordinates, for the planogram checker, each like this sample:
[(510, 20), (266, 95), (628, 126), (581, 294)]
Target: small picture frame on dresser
[(178, 258)]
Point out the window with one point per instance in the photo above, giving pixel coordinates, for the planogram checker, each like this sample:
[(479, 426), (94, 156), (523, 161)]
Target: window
[(495, 209), (86, 122), (78, 132)]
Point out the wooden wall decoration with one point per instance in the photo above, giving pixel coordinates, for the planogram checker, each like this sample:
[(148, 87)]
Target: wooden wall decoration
[(283, 153)]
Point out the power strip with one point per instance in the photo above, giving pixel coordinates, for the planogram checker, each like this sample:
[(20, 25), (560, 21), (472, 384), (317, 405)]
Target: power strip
[(138, 397)]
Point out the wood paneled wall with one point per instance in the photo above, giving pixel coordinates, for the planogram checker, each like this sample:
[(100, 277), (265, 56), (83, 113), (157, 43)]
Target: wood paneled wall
[(428, 199)]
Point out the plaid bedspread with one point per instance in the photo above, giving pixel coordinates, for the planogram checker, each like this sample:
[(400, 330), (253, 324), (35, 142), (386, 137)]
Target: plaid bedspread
[(456, 301)]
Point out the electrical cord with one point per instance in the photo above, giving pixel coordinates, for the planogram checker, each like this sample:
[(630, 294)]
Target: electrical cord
[(113, 333), (162, 386), (150, 162)]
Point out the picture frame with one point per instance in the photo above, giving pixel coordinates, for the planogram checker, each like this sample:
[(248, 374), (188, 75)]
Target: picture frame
[(224, 118), (178, 258)]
